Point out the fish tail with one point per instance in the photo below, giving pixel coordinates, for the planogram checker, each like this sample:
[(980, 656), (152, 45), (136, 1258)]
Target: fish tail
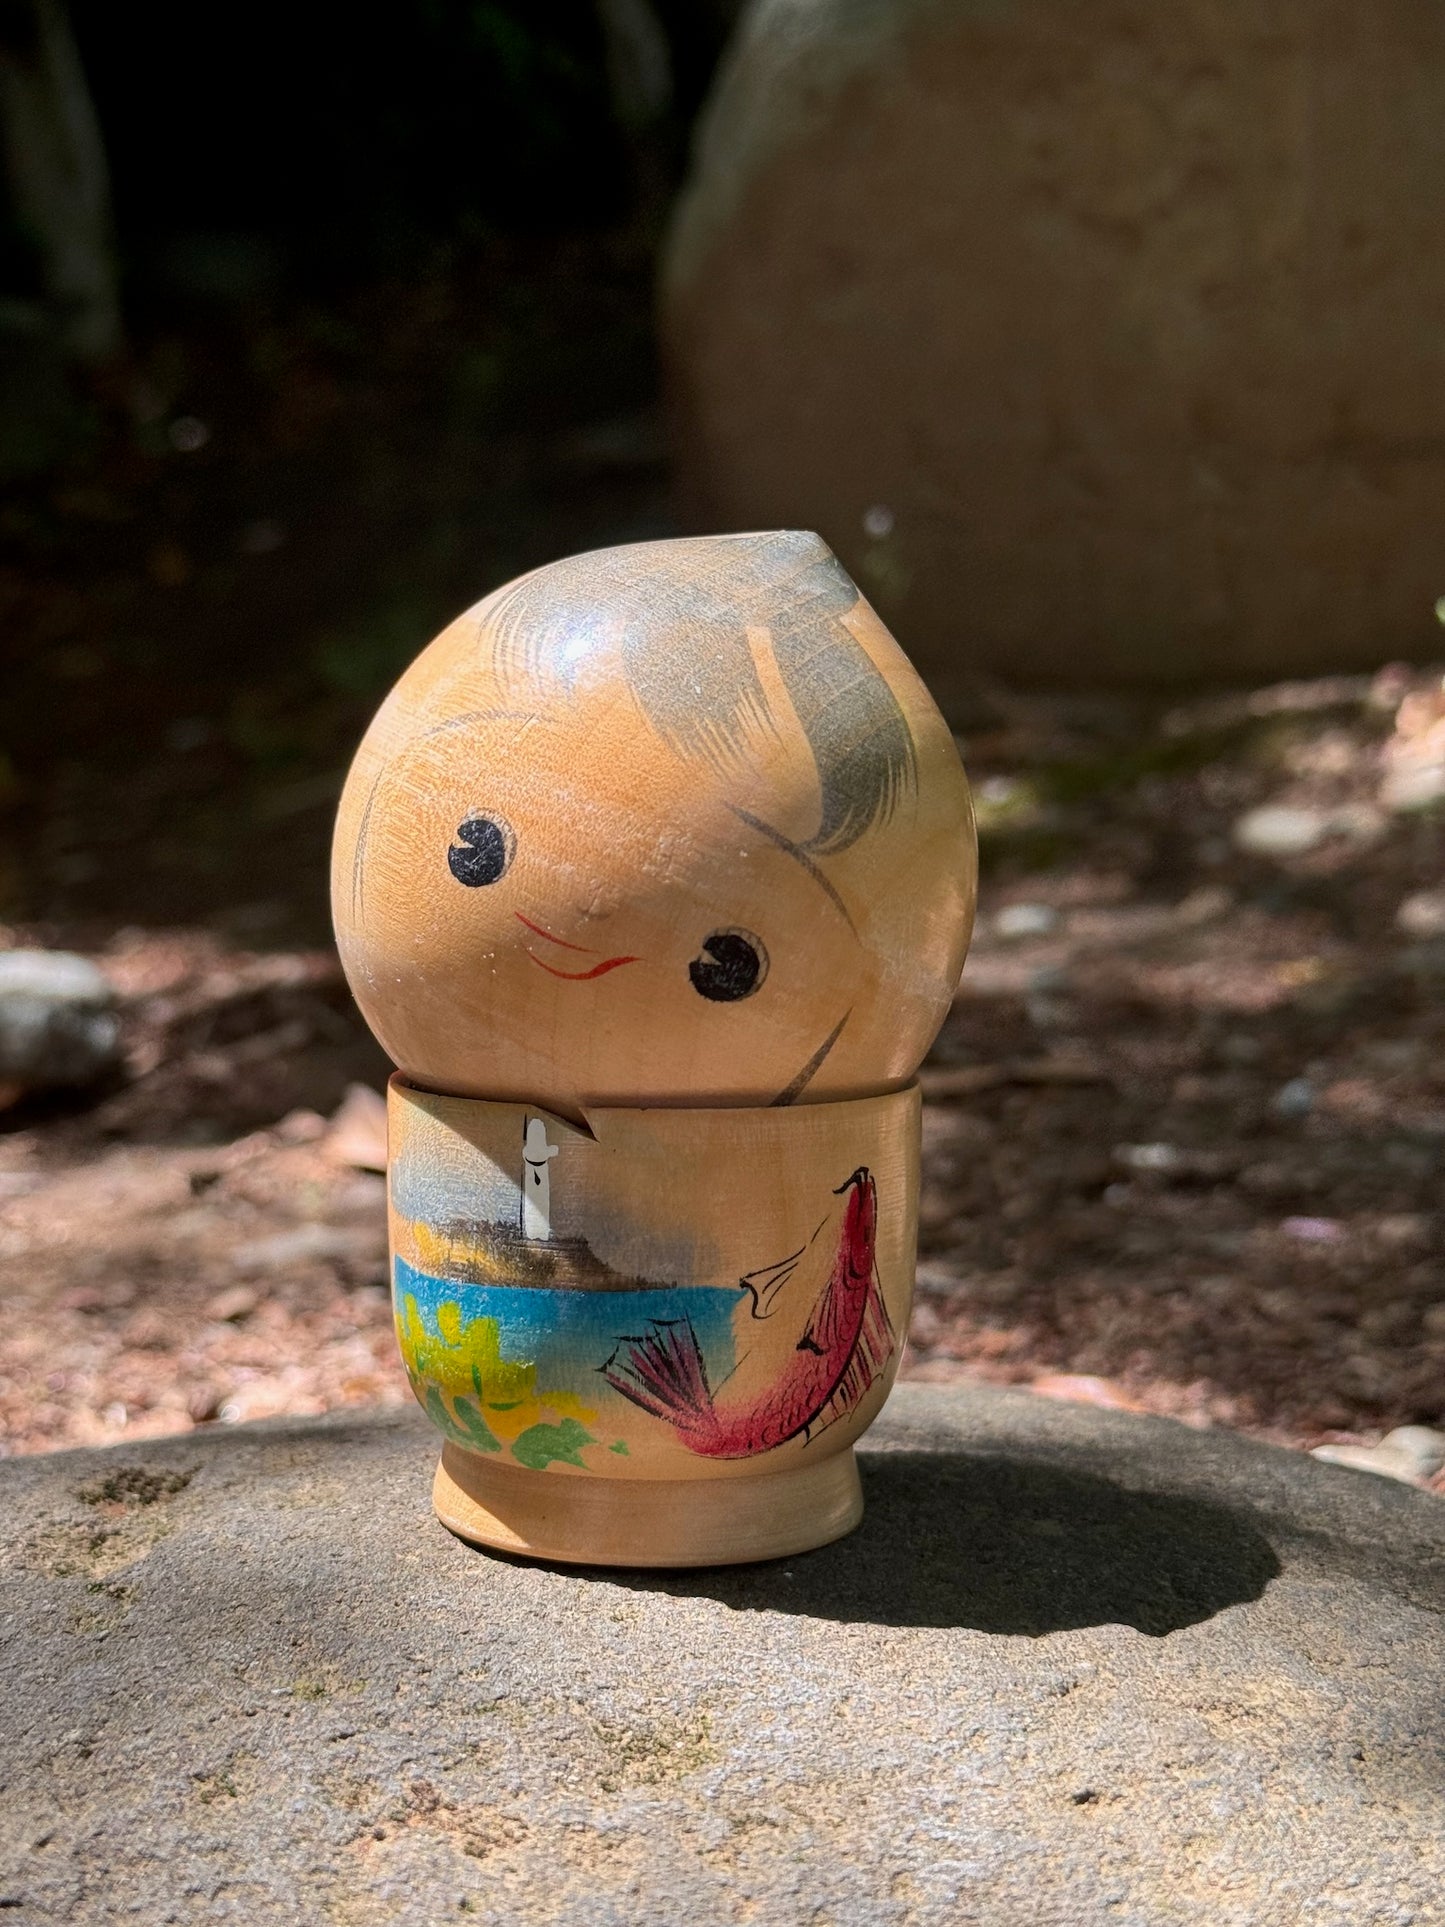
[(843, 1300), (868, 1358), (856, 1270), (860, 1223), (663, 1372)]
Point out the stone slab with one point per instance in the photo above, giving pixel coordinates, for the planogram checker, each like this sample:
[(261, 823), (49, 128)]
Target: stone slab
[(1076, 1667), (1102, 342)]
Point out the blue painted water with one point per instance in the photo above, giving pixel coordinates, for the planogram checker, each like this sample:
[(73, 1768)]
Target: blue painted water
[(569, 1334)]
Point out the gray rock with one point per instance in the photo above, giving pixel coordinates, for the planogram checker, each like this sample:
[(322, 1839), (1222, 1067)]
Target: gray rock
[(1019, 306), (1076, 1668), (58, 1020)]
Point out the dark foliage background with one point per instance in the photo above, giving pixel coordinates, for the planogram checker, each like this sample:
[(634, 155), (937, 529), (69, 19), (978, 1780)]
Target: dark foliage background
[(386, 280), (329, 143)]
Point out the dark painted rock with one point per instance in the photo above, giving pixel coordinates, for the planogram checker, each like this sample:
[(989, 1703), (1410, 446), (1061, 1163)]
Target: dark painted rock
[(1104, 342), (58, 1021), (1075, 1668)]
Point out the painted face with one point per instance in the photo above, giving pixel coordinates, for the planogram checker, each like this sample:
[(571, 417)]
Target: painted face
[(543, 895)]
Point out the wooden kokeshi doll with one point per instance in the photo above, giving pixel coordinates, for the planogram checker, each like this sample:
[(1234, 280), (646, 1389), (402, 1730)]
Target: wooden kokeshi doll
[(654, 876)]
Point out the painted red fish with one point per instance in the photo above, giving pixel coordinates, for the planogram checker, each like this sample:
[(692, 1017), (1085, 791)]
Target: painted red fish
[(846, 1343)]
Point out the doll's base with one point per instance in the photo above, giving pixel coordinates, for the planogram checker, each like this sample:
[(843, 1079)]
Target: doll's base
[(647, 1522)]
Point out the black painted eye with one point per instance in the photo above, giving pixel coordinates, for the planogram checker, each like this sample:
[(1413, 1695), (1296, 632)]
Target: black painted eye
[(482, 851), (731, 964)]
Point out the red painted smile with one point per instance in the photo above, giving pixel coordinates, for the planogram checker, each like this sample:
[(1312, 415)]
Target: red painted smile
[(581, 976), (571, 976)]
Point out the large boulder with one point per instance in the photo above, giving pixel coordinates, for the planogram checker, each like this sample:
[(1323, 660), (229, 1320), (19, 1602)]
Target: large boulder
[(1104, 341), (1076, 1669)]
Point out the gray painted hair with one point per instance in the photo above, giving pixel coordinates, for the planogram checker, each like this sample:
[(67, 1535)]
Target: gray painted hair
[(679, 613)]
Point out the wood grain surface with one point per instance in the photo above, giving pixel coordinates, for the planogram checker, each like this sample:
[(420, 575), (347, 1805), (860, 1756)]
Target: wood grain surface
[(668, 824)]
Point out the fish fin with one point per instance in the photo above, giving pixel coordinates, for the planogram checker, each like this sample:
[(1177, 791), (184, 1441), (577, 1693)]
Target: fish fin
[(767, 1281), (763, 1286), (663, 1372)]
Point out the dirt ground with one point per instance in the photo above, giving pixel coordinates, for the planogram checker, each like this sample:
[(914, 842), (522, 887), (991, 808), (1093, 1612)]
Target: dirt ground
[(1184, 1133)]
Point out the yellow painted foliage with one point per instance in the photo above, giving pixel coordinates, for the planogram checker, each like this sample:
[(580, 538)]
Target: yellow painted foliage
[(465, 1362)]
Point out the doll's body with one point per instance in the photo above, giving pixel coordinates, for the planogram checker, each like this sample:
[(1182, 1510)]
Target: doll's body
[(654, 875)]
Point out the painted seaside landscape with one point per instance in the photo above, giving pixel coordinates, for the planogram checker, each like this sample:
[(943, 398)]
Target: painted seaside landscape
[(521, 1371)]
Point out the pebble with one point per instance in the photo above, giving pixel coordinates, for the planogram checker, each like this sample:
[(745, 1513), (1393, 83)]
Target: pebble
[(148, 1330), (232, 1305), (934, 1282), (1148, 1157), (1423, 914), (203, 1404), (58, 1020), (1423, 1443), (1412, 1453), (1277, 830), (1295, 1099), (1413, 786), (1203, 905), (1001, 792), (1283, 829), (1017, 922), (1313, 1231), (1404, 1228)]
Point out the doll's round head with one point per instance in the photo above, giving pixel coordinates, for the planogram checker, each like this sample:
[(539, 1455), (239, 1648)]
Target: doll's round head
[(674, 823)]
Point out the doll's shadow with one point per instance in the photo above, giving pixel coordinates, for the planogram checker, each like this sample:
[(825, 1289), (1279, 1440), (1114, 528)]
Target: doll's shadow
[(1003, 1546)]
